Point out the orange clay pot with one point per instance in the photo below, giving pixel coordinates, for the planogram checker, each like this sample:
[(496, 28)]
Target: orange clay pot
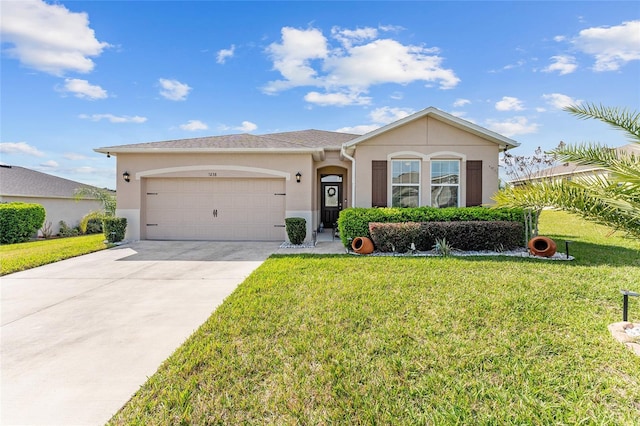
[(362, 245), (542, 246)]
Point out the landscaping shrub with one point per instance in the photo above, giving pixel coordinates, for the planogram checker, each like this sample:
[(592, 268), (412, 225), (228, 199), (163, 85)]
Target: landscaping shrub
[(66, 230), (472, 235), (296, 229), (20, 221), (354, 222), (94, 226), (114, 228), (462, 235), (394, 237)]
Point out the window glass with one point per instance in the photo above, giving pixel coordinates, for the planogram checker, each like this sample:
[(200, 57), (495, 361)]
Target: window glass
[(405, 183), (445, 183)]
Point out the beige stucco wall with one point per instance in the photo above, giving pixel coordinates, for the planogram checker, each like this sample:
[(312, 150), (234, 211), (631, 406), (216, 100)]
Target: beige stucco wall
[(426, 139), (299, 196), (57, 209)]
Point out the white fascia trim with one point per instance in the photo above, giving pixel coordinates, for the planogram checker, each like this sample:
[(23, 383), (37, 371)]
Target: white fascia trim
[(165, 170), (406, 155)]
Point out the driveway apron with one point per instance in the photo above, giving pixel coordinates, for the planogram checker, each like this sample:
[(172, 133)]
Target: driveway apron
[(79, 337)]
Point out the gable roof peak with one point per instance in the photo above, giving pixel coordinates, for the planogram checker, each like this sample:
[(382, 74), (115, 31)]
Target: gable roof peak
[(504, 142)]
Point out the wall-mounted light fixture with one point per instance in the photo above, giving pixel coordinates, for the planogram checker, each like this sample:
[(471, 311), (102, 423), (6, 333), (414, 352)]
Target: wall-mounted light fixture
[(126, 176), (298, 176), (108, 155)]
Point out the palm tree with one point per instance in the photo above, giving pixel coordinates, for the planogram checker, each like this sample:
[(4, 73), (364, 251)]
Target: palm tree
[(612, 198)]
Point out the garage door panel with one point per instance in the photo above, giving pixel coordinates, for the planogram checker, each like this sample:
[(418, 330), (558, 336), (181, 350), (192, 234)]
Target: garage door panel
[(215, 209)]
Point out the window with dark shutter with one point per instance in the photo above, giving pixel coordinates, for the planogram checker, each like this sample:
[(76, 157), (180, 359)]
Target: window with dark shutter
[(378, 183), (474, 183)]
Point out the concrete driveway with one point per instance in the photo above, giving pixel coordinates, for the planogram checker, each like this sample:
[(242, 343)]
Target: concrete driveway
[(80, 336)]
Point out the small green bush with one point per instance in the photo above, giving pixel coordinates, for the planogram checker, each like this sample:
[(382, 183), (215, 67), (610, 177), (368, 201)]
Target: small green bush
[(20, 221), (296, 229), (94, 226), (67, 231), (463, 235), (394, 237), (354, 222), (114, 228)]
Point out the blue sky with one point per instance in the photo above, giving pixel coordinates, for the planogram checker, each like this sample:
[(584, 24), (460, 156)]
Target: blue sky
[(80, 75)]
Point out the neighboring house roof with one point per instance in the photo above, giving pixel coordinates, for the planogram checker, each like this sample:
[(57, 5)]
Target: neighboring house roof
[(313, 141), (573, 169), (19, 181), (504, 142)]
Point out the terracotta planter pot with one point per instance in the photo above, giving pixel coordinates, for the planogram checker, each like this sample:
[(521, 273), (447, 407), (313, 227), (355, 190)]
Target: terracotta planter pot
[(542, 246), (362, 245)]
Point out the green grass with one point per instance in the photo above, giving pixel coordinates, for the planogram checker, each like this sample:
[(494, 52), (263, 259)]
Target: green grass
[(18, 257), (396, 340)]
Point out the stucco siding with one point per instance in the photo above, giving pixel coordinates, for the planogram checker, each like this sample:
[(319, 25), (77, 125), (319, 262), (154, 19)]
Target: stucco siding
[(57, 209)]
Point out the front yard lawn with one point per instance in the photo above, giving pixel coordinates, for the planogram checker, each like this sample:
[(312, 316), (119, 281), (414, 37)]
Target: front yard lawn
[(21, 256), (399, 340)]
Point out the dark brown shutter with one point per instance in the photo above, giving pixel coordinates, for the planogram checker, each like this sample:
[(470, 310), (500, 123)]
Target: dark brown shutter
[(378, 184), (474, 183)]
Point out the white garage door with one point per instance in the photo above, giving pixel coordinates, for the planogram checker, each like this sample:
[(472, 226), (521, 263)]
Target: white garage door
[(214, 209)]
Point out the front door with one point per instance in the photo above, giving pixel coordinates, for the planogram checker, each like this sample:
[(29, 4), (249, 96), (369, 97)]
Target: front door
[(331, 203)]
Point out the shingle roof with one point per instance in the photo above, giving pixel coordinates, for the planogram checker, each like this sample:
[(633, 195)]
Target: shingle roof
[(15, 180), (311, 139)]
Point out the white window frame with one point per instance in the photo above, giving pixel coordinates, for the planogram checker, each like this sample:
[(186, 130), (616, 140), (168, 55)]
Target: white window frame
[(457, 185), (416, 185)]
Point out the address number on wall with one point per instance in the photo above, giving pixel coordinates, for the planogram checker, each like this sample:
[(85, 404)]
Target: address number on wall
[(213, 174)]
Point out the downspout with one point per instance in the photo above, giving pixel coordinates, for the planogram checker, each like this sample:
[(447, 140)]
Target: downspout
[(353, 175)]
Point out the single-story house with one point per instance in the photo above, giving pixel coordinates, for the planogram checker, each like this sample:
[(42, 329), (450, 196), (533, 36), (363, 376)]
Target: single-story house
[(570, 171), (55, 194), (243, 186)]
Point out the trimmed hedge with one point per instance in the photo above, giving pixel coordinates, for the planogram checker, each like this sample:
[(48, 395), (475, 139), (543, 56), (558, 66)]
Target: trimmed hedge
[(114, 228), (354, 222), (20, 221), (296, 229), (462, 235)]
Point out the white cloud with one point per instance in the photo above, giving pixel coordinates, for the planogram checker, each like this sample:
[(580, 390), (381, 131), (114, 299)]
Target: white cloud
[(515, 126), (461, 102), (51, 164), (114, 118), (224, 54), (560, 101), (349, 37), (49, 37), (564, 64), (359, 61), (509, 103), (379, 117), (612, 47), (83, 89), (173, 89), (74, 156), (20, 148), (247, 126), (386, 115), (193, 125), (336, 99), (396, 96), (359, 130)]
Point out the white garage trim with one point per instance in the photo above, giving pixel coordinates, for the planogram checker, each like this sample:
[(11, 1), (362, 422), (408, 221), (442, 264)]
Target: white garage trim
[(158, 172)]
